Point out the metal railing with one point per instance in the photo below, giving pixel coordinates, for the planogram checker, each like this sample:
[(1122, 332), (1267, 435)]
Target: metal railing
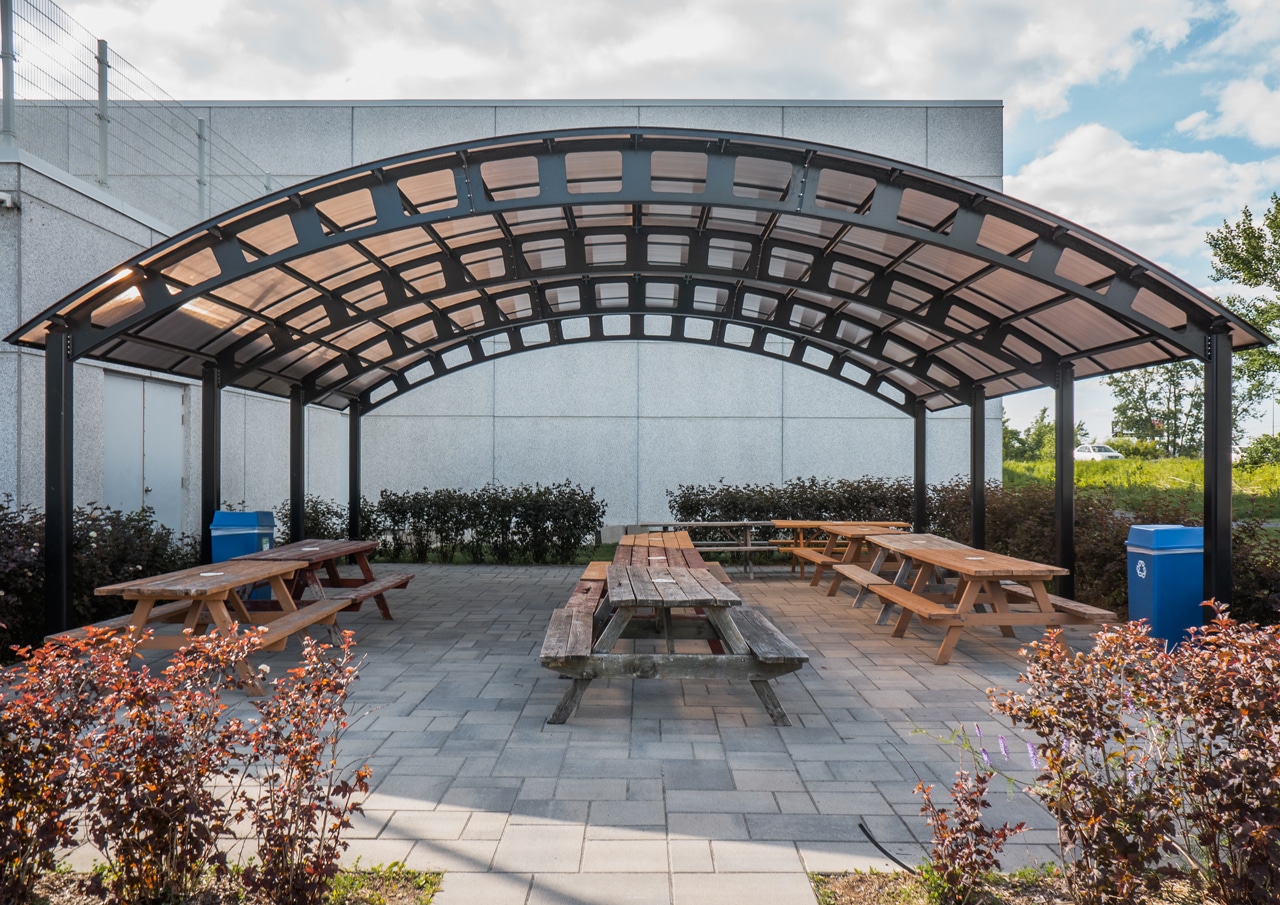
[(72, 103)]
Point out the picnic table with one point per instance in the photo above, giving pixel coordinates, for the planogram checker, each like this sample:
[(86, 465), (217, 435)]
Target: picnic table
[(323, 554), (982, 579), (743, 643), (846, 545), (207, 595), (733, 537)]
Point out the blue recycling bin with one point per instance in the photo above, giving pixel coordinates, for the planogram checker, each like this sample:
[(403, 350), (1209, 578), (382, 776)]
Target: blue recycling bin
[(237, 533), (1166, 578)]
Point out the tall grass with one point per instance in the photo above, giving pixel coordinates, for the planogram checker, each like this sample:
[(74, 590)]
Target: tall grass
[(1135, 483)]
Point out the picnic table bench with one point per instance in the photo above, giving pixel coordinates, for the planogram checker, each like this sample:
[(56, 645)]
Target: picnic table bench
[(808, 534)]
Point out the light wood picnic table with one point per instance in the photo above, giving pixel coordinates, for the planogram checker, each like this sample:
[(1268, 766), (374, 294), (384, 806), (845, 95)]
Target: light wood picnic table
[(854, 536), (323, 554), (980, 577), (205, 595), (735, 537), (798, 527)]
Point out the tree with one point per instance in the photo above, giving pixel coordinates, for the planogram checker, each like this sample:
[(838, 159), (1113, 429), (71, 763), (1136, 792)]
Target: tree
[(1035, 442), (1165, 403)]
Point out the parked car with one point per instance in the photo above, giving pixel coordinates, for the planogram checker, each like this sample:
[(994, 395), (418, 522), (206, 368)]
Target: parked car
[(1095, 452)]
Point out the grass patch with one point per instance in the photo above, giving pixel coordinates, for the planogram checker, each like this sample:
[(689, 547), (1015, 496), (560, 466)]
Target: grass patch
[(384, 884)]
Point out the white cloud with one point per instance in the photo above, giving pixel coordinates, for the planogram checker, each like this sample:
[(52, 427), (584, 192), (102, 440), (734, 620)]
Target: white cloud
[(1157, 201), (1246, 108), (1029, 54)]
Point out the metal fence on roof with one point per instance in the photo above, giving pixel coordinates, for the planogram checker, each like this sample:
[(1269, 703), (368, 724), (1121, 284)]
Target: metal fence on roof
[(73, 103)]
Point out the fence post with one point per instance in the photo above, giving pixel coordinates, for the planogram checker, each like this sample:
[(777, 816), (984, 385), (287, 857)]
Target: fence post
[(8, 130), (202, 166), (104, 120)]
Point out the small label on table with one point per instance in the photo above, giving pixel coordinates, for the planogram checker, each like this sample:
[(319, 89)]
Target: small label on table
[(667, 580), (211, 574), (975, 557), (309, 549)]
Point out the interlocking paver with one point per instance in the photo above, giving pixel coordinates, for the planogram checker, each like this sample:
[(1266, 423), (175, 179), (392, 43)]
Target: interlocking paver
[(662, 792)]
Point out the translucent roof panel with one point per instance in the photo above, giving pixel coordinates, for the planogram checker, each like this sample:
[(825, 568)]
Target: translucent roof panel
[(910, 284)]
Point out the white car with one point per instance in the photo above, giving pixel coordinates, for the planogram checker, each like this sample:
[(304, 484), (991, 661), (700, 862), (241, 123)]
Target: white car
[(1095, 452)]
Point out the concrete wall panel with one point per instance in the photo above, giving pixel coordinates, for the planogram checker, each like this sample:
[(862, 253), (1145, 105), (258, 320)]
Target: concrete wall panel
[(411, 453), (515, 120), (967, 141), (287, 139), (683, 380), (571, 381), (383, 130), (897, 132), (760, 120)]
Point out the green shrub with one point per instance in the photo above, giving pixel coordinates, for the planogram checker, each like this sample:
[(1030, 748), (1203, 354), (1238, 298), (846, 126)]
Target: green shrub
[(1264, 450), (321, 519)]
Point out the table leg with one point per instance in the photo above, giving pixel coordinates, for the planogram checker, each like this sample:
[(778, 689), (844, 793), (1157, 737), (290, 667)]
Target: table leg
[(737, 644), (902, 580), (367, 571), (569, 703)]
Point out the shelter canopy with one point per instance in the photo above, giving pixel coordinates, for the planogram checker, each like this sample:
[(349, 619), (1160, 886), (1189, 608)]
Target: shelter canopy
[(917, 287)]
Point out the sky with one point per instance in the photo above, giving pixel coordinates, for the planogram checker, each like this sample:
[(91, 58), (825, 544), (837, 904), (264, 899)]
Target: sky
[(1148, 121)]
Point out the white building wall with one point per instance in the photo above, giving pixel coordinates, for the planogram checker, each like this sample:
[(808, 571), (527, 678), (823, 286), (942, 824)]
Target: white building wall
[(631, 419)]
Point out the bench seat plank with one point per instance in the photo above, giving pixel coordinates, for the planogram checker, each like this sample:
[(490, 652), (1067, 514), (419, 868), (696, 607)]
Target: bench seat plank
[(158, 614), (1076, 608), (766, 640), (319, 611)]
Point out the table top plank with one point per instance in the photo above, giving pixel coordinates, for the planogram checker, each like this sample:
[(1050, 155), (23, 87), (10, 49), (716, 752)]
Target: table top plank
[(314, 551), (665, 587), (810, 524), (980, 564), (211, 580), (904, 543)]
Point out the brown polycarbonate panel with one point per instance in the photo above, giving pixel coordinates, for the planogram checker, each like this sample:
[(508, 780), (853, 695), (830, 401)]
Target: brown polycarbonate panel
[(1013, 290), (1003, 236), (1024, 351), (516, 306), (376, 352), (511, 179), (757, 306), (732, 219), (323, 264), (467, 318), (613, 295), (941, 376), (869, 315), (857, 242), (964, 360), (908, 297), (604, 250), (652, 215), (1079, 269), (485, 264), (602, 215), (843, 191), (252, 349), (710, 298), (805, 317), (929, 211), (423, 333), (728, 254), (425, 278), (231, 337), (756, 177), (145, 356), (678, 171), (401, 245), (544, 254), (433, 191), (668, 250), (919, 336), (271, 237), (805, 230), (468, 230), (406, 313), (545, 219), (897, 352), (788, 263), (1148, 304), (117, 308), (848, 278), (951, 265), (194, 269), (348, 211), (351, 337), (259, 290), (564, 298), (938, 282), (1080, 325), (593, 171)]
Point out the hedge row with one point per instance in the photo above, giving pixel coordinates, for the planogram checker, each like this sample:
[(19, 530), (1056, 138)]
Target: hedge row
[(1019, 522), (537, 524)]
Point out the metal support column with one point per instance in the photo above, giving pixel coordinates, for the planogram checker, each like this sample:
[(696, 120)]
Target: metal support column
[(353, 470), (59, 473), (104, 120), (297, 464), (920, 512), (1217, 464), (8, 122), (978, 468), (1064, 477), (210, 454)]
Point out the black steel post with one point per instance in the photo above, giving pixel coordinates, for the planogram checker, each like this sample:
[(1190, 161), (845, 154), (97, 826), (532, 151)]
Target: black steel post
[(1064, 477), (978, 468), (353, 470), (1217, 465), (59, 474), (297, 464), (210, 455), (920, 511)]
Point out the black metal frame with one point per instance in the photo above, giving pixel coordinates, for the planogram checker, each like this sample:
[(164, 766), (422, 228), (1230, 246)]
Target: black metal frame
[(916, 360)]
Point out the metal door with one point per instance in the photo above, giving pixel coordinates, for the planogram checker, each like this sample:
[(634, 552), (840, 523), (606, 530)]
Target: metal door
[(143, 461)]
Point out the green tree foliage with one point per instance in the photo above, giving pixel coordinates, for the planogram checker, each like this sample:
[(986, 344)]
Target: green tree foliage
[(1165, 404), (1036, 442)]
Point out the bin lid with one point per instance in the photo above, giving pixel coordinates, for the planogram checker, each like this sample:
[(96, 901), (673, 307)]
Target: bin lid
[(1166, 537), (225, 518)]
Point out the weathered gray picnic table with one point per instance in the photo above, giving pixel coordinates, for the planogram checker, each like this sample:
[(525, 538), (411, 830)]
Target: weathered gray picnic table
[(743, 643)]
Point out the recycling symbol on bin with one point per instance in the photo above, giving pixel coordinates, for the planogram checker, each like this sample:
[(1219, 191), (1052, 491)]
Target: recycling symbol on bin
[(1142, 568)]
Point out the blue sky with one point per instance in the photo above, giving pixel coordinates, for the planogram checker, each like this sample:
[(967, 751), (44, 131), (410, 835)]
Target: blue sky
[(1150, 121)]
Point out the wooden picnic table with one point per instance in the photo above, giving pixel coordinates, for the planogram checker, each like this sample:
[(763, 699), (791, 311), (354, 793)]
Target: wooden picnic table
[(324, 554), (752, 647), (206, 595), (736, 537), (853, 536), (983, 579)]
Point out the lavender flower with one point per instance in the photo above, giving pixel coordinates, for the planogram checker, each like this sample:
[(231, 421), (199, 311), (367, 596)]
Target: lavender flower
[(1035, 758), (1004, 749)]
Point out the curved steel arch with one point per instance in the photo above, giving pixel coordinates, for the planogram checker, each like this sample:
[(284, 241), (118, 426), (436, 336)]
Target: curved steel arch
[(915, 286)]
